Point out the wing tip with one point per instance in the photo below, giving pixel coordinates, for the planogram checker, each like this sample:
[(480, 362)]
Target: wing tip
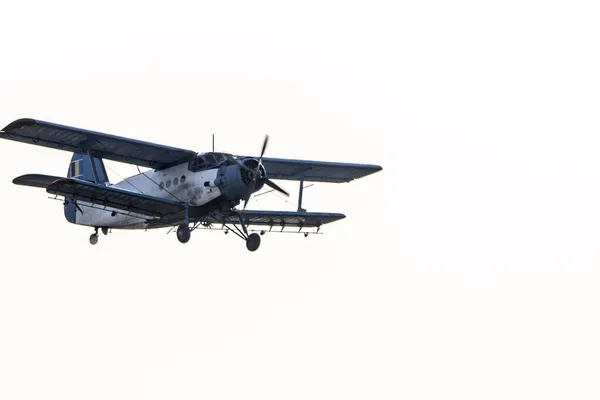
[(377, 168), (19, 180), (18, 124)]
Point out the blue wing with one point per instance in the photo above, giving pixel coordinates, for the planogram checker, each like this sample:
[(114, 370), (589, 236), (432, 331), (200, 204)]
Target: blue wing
[(74, 189), (158, 156), (101, 145), (316, 171), (274, 218)]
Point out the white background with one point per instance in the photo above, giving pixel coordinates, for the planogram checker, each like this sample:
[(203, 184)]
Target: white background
[(468, 268)]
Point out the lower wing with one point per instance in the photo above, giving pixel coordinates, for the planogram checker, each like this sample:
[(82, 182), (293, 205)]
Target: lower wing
[(77, 190), (274, 218)]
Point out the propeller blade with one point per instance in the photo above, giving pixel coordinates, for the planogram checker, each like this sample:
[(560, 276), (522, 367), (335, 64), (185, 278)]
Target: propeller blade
[(272, 184), (262, 152), (250, 193)]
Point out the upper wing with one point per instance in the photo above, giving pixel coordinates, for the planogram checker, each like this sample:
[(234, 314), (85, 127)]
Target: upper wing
[(101, 145), (74, 189), (316, 171), (274, 218)]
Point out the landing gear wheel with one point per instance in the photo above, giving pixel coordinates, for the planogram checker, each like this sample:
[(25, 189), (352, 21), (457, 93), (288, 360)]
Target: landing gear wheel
[(94, 238), (183, 233), (253, 242)]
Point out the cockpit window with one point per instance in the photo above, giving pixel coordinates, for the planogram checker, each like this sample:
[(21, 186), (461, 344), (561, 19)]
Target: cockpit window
[(208, 160), (196, 164)]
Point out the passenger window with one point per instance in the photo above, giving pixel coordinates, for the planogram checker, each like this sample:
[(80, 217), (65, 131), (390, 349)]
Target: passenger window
[(161, 186), (168, 183), (182, 178), (175, 181)]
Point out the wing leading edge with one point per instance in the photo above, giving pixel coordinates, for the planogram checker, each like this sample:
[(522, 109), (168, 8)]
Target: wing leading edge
[(98, 144)]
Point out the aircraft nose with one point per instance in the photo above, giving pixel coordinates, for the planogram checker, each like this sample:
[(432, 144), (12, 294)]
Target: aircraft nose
[(252, 173), (239, 181)]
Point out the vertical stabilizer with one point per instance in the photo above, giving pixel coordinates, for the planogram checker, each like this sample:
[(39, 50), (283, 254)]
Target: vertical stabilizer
[(82, 167), (85, 168)]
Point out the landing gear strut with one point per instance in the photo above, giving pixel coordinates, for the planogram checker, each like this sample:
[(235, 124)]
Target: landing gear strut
[(252, 240)]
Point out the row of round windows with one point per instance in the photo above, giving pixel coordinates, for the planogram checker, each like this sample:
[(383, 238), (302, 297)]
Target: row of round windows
[(176, 181)]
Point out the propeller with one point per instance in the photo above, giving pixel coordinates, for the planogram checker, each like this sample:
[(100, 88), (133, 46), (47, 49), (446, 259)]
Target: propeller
[(258, 174)]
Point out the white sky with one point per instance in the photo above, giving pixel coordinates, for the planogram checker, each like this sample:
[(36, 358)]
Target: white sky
[(467, 269)]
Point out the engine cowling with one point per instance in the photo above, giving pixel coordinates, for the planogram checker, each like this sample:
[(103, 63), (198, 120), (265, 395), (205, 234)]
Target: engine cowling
[(237, 183)]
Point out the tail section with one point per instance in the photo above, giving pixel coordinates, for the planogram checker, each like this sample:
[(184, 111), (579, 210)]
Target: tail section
[(86, 168)]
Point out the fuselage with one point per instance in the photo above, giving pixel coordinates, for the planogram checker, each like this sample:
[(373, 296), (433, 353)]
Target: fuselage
[(175, 183), (197, 183)]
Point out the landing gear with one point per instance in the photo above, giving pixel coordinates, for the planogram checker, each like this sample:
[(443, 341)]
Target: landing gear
[(183, 233), (253, 242), (94, 237), (239, 229)]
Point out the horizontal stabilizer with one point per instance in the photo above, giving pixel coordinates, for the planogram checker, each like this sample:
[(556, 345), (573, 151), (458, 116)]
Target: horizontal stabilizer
[(275, 218), (106, 196), (36, 180)]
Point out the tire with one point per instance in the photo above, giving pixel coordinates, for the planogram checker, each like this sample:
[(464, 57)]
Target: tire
[(183, 233), (94, 238), (253, 242)]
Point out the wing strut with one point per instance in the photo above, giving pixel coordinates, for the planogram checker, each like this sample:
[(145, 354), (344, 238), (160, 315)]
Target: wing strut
[(300, 209)]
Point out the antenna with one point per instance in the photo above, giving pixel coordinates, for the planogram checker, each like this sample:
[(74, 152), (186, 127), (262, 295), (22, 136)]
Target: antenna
[(213, 142)]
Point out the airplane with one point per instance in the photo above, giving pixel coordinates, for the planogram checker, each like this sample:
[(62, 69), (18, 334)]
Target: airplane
[(181, 188)]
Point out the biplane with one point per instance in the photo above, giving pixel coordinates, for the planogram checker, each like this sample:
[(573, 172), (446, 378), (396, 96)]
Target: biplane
[(181, 189)]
